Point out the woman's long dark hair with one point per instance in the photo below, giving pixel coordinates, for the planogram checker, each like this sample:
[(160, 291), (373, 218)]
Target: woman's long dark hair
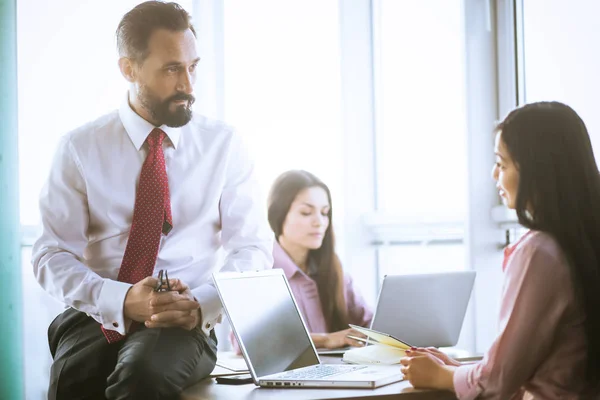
[(559, 193), (330, 277)]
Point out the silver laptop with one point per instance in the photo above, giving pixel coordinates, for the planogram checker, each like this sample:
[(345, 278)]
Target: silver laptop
[(275, 342), (424, 310)]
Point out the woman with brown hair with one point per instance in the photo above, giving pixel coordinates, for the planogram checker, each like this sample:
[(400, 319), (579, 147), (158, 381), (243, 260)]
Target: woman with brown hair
[(300, 214)]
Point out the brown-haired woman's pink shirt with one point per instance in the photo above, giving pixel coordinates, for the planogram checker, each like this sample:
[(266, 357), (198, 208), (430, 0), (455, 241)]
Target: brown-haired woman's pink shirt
[(307, 297)]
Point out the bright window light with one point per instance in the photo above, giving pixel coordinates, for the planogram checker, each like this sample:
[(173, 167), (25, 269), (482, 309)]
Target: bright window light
[(421, 110), (283, 88), (560, 59), (421, 121)]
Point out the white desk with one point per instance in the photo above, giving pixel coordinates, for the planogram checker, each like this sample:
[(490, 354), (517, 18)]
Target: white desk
[(209, 389)]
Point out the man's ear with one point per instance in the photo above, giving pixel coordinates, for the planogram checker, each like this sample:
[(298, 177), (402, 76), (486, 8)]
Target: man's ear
[(127, 67)]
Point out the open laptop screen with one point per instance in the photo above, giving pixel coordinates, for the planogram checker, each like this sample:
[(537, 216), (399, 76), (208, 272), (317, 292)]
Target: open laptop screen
[(433, 307), (266, 321)]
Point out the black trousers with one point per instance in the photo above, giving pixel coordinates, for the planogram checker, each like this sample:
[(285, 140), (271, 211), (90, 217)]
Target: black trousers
[(148, 364)]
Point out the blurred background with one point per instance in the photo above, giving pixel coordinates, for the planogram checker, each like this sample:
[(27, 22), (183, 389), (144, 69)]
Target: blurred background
[(392, 103)]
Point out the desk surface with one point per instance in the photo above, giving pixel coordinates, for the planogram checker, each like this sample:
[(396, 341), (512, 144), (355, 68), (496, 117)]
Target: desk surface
[(209, 389)]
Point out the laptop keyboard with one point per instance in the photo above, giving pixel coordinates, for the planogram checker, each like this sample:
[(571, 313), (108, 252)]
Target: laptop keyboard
[(319, 371)]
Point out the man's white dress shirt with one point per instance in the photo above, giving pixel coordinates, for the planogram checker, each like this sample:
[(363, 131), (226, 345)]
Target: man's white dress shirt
[(87, 210)]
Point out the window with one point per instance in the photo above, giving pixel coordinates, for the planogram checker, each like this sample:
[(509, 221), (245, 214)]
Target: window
[(421, 258), (421, 133), (282, 86), (559, 59)]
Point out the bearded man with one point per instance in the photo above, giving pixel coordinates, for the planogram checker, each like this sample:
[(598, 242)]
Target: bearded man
[(151, 186)]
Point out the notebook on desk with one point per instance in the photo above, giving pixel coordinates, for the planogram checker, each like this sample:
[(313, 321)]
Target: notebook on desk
[(381, 348), (333, 352), (274, 340)]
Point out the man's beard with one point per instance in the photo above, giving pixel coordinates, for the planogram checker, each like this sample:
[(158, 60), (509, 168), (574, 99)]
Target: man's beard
[(159, 109)]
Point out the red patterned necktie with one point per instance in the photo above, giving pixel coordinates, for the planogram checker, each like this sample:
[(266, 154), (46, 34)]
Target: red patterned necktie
[(151, 218)]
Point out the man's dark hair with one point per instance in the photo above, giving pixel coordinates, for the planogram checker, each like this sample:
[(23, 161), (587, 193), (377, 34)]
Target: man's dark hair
[(137, 26)]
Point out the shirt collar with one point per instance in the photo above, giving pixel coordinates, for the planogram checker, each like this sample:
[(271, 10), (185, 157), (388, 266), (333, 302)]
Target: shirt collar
[(138, 128), (285, 262), (510, 249)]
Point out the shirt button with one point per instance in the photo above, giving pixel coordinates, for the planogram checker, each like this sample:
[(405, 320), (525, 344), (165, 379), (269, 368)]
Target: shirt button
[(207, 326), (116, 324)]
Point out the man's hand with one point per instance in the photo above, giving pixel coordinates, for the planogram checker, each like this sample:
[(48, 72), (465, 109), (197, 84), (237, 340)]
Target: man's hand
[(137, 300), (176, 308)]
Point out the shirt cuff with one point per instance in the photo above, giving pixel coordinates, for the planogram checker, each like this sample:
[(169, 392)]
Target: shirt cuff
[(110, 305), (463, 386), (210, 306)]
